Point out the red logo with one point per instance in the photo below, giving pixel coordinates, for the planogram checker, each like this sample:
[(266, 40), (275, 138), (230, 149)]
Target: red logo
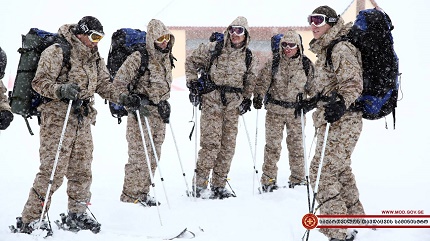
[(309, 221)]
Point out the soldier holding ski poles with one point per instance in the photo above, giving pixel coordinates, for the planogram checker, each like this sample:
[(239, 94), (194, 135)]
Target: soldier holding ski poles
[(338, 128)]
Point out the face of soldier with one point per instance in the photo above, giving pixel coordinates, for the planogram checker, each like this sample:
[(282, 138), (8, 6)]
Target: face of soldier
[(289, 49), (237, 35)]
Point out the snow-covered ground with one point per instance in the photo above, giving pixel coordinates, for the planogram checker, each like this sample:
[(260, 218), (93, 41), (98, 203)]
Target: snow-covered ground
[(391, 167)]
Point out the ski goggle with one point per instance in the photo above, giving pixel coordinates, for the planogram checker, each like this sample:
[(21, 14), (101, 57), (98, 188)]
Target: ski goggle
[(237, 30), (319, 20), (163, 38), (95, 36), (286, 45)]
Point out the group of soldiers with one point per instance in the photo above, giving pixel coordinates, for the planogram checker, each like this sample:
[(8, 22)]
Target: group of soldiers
[(232, 84)]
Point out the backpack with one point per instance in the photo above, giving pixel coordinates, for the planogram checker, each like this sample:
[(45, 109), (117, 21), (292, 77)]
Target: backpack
[(205, 84), (23, 99), (125, 41), (371, 34)]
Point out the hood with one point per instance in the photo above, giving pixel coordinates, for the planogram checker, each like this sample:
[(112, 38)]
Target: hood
[(156, 29), (292, 36), (239, 21)]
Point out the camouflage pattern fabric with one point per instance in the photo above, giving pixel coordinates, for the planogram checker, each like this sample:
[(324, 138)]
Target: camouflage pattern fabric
[(137, 180), (156, 85), (89, 71), (219, 123), (337, 193), (4, 104), (288, 82)]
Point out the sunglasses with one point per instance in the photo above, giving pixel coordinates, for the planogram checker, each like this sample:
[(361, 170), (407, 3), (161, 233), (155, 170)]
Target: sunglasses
[(163, 38), (286, 45), (95, 36), (237, 30)]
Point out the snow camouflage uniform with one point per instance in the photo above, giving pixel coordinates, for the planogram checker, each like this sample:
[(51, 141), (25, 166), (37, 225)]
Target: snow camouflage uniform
[(88, 70), (337, 193), (289, 80), (5, 118), (156, 85), (219, 122)]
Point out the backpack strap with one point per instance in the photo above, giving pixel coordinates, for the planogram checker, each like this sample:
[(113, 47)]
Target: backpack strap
[(329, 51), (306, 64)]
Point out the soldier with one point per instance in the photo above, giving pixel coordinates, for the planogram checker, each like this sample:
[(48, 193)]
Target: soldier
[(281, 91), (336, 89), (87, 75), (232, 82), (153, 89)]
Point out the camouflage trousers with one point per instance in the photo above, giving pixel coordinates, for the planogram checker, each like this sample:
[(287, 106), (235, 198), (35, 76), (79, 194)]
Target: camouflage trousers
[(137, 180), (218, 131), (74, 162), (337, 190), (275, 124)]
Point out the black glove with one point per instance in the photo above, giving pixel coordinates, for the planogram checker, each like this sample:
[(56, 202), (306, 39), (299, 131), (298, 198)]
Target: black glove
[(195, 99), (245, 106), (6, 117), (68, 91), (257, 102), (164, 110), (193, 86), (334, 110), (131, 101), (305, 104)]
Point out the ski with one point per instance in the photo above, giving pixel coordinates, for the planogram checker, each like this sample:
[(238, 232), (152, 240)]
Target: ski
[(62, 227), (18, 228), (185, 234)]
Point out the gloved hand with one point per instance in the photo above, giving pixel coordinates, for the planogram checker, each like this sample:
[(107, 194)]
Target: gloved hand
[(164, 110), (245, 106), (195, 99), (257, 101), (334, 110), (68, 91), (305, 104), (193, 86), (131, 101), (6, 117)]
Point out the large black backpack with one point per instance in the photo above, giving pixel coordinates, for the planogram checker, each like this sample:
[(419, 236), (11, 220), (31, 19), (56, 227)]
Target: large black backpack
[(371, 34), (23, 99), (125, 41)]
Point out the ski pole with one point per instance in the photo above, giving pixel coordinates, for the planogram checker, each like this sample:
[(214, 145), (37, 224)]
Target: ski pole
[(57, 155), (252, 153), (302, 119), (148, 163), (179, 157), (156, 158), (255, 147), (319, 173), (195, 151)]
